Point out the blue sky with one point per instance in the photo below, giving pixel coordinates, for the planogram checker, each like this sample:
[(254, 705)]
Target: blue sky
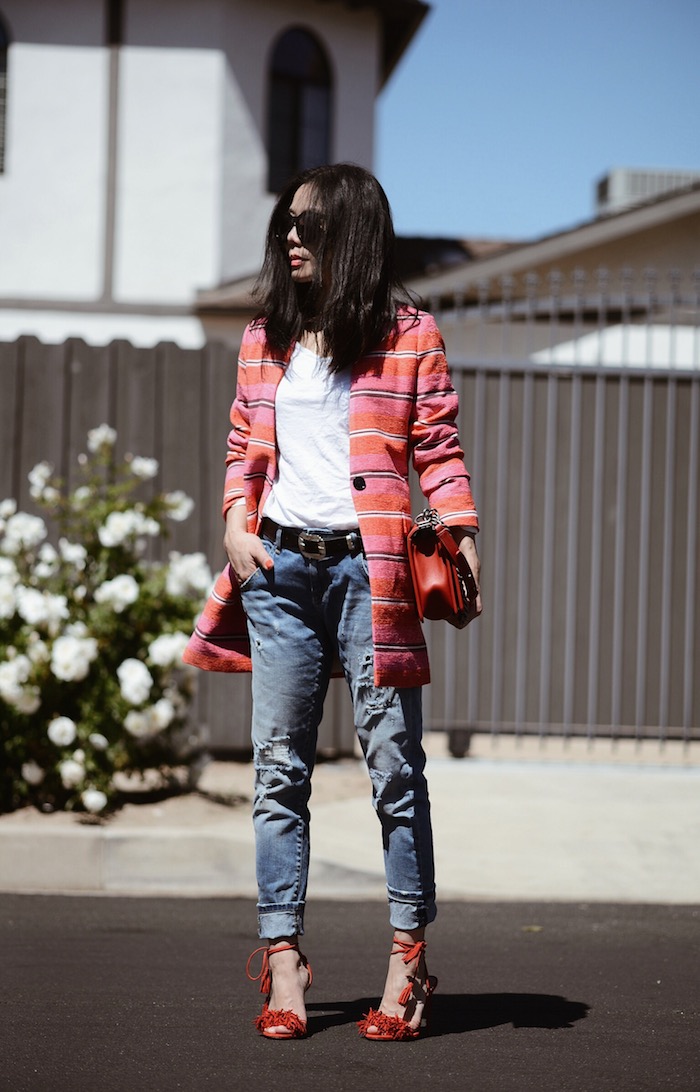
[(503, 113)]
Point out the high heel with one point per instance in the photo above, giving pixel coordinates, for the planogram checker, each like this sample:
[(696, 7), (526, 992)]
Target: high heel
[(379, 1027), (270, 1021)]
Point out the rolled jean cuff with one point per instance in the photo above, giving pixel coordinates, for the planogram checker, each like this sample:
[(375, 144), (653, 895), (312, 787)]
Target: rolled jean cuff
[(407, 913), (280, 921)]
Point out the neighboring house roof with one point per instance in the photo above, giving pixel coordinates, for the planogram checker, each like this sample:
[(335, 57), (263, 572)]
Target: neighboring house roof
[(662, 233), (416, 256), (400, 20), (232, 298), (648, 226)]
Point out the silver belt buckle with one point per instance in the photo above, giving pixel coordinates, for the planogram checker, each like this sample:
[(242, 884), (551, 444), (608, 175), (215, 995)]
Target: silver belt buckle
[(312, 547)]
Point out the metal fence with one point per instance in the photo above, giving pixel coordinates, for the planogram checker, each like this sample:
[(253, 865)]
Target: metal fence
[(587, 485), (586, 477), (580, 399)]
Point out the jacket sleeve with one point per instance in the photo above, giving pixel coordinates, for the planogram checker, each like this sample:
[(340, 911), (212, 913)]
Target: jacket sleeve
[(435, 446), (237, 442)]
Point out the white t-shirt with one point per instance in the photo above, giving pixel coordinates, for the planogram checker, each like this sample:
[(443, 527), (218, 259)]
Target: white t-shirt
[(312, 408)]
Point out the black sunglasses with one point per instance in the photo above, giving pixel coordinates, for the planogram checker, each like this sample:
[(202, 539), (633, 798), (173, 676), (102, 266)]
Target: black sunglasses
[(309, 226)]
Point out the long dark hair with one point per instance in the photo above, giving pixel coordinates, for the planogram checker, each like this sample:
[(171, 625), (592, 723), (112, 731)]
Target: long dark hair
[(355, 292)]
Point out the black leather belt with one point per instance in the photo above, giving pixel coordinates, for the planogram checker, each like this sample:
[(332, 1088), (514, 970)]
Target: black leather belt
[(314, 545)]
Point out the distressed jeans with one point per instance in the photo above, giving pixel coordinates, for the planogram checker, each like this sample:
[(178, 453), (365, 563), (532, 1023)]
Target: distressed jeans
[(301, 615)]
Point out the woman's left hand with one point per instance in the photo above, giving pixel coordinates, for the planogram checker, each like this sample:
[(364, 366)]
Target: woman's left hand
[(467, 546)]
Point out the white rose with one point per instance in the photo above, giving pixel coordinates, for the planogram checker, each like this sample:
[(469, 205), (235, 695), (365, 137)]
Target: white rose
[(93, 800), (16, 667), (188, 573), (119, 593), (144, 468), (8, 598), (32, 773), (74, 553), (102, 436), (144, 525), (71, 657), (71, 772), (48, 554), (137, 724), (149, 526), (7, 508), (31, 606), (121, 526), (38, 478), (135, 681), (23, 532), (28, 700), (115, 530), (62, 731), (99, 742), (41, 608), (37, 650), (167, 649), (161, 714), (81, 495), (179, 504), (8, 570), (13, 673)]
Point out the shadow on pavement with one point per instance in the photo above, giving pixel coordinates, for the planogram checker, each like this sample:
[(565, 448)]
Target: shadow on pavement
[(454, 1014)]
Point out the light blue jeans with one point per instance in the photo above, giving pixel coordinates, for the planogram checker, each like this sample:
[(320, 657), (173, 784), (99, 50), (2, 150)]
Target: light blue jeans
[(301, 614)]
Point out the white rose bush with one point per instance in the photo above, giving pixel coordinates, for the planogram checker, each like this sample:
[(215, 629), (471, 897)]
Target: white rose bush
[(92, 684)]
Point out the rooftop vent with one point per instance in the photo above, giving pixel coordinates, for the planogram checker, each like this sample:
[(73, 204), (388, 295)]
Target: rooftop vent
[(624, 187)]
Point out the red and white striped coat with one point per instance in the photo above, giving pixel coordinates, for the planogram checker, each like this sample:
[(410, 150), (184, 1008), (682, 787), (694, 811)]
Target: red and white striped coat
[(402, 405)]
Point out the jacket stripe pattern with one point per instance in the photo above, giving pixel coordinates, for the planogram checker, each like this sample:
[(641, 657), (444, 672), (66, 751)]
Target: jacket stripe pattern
[(402, 406)]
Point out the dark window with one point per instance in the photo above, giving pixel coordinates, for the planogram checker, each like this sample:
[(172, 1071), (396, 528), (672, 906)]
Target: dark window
[(4, 44), (299, 107), (115, 23)]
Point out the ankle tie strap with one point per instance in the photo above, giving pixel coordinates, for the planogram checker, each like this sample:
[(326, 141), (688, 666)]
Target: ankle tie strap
[(408, 952), (265, 977)]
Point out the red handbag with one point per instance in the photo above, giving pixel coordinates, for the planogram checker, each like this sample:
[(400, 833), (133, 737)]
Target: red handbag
[(443, 582)]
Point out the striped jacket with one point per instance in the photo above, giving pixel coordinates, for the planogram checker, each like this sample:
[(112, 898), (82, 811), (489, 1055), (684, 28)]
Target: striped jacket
[(402, 405)]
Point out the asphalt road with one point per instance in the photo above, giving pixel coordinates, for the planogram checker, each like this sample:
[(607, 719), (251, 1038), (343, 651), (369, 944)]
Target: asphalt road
[(121, 994)]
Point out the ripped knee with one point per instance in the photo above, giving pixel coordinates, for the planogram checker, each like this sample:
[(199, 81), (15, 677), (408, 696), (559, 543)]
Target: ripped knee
[(274, 754), (380, 780), (280, 774)]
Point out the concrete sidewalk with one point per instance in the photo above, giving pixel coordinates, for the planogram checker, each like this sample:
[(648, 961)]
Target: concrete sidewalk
[(514, 821)]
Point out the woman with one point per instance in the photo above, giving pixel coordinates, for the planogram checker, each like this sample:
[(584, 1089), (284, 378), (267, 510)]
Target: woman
[(340, 381)]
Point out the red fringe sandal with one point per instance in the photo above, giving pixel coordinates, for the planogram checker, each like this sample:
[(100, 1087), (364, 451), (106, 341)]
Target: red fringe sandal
[(270, 1021), (379, 1027)]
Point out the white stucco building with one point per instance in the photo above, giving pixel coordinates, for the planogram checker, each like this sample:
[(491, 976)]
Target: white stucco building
[(141, 143)]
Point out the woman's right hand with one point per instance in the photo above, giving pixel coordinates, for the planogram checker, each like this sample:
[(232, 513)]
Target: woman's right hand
[(244, 550)]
